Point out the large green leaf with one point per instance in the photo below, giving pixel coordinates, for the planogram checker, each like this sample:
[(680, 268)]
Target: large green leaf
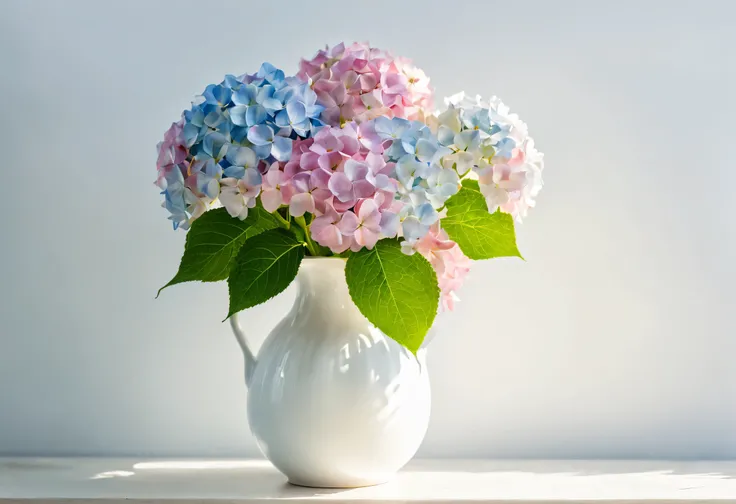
[(396, 292), (264, 267), (479, 234), (213, 242)]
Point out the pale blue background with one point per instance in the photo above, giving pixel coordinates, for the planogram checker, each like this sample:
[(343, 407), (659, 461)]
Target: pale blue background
[(615, 339)]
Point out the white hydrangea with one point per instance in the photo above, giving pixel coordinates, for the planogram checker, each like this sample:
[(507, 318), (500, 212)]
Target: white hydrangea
[(493, 146)]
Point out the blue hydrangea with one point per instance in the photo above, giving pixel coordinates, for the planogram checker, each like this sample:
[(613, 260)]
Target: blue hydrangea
[(424, 185), (263, 112)]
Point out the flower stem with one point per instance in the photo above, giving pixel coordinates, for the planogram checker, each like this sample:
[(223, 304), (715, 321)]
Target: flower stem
[(284, 223), (310, 244)]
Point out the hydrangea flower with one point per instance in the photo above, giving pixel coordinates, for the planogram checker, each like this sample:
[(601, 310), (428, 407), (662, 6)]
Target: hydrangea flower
[(238, 195), (229, 129), (326, 231), (172, 166), (177, 197), (448, 261), (363, 193), (266, 142), (495, 144), (363, 224), (349, 140), (350, 184), (360, 83), (239, 160), (275, 189)]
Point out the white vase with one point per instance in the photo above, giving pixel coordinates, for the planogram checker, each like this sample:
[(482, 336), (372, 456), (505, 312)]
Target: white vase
[(332, 401)]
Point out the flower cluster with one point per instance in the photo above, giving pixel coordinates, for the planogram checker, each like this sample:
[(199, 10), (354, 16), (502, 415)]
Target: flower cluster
[(350, 143), (448, 261), (216, 148), (359, 83), (363, 182), (496, 145)]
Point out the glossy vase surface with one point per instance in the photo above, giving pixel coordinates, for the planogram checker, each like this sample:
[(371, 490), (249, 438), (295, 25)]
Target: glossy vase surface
[(332, 401)]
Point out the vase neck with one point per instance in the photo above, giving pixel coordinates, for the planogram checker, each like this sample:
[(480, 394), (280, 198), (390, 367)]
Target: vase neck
[(322, 285)]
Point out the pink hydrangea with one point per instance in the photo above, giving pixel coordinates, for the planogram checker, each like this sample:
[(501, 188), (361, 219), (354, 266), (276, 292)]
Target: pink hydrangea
[(174, 179), (171, 151), (326, 230), (359, 83), (362, 225), (343, 183), (276, 189), (359, 190), (448, 261)]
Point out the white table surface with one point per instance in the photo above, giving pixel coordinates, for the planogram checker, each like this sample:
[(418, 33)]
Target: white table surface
[(251, 481)]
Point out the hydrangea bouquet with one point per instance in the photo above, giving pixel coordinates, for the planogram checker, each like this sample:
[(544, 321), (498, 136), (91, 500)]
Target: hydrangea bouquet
[(346, 159)]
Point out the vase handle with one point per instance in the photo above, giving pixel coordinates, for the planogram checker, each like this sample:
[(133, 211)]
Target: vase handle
[(250, 359)]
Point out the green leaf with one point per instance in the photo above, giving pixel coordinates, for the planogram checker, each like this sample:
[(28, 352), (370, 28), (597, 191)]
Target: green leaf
[(479, 234), (213, 242), (264, 267), (397, 293)]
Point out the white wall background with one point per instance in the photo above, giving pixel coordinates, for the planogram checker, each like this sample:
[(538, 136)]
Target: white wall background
[(615, 339)]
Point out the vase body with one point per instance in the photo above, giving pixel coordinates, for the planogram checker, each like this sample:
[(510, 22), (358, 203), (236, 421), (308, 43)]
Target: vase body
[(332, 401)]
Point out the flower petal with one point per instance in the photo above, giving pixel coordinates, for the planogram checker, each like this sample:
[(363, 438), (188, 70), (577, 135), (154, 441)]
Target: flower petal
[(366, 237), (467, 140), (262, 151), (355, 170), (300, 204), (426, 214), (271, 200), (445, 135), (234, 172), (389, 224), (237, 115), (281, 148), (328, 235), (296, 110), (260, 135), (412, 229), (245, 95), (241, 156), (302, 128), (215, 145), (282, 119), (363, 189), (272, 105), (341, 186), (255, 114), (348, 223), (425, 150), (252, 177)]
